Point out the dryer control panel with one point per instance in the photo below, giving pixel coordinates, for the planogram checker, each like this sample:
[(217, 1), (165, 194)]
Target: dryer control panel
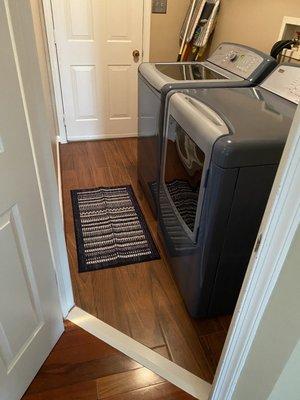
[(240, 60), (284, 81)]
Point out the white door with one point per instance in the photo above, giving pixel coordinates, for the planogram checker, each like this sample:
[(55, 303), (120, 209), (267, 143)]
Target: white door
[(99, 47), (30, 315)]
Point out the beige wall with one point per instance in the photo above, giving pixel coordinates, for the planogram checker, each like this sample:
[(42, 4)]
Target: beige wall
[(255, 23), (277, 338), (165, 28), (40, 35), (288, 385)]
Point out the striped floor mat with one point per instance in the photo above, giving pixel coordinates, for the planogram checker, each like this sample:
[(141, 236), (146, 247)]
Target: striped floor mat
[(110, 229)]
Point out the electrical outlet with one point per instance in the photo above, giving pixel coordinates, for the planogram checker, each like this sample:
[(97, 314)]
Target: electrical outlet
[(159, 6)]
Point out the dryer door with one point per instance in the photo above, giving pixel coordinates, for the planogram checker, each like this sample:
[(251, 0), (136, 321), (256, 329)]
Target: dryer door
[(191, 131)]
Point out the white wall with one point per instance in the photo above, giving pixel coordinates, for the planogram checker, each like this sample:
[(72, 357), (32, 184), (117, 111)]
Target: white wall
[(277, 337), (287, 386)]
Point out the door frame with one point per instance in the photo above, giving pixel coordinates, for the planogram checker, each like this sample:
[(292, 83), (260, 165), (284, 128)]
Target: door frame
[(51, 43), (27, 64)]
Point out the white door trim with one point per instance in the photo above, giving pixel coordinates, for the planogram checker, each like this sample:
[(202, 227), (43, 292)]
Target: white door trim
[(147, 30), (47, 7), (27, 63), (278, 228), (59, 180), (58, 100), (165, 368)]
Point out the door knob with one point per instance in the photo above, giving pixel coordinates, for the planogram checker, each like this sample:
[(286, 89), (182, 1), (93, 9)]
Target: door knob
[(135, 53)]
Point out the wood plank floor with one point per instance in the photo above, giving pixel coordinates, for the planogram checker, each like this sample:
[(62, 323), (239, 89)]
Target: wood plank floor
[(82, 367), (140, 300)]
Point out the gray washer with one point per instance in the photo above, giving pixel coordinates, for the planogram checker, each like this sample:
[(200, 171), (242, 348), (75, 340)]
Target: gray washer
[(231, 65)]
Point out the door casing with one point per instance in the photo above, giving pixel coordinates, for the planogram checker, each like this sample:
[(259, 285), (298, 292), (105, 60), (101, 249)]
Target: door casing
[(30, 73), (31, 318)]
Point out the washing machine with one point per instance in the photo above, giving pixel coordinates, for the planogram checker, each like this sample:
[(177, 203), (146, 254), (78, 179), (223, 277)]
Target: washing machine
[(231, 65), (221, 150)]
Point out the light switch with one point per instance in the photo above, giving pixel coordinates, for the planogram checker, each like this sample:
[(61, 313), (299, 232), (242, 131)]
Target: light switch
[(159, 6)]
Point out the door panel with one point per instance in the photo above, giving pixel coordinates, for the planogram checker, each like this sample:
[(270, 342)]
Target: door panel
[(95, 43), (79, 20), (117, 22), (119, 91), (85, 96), (30, 314), (17, 273)]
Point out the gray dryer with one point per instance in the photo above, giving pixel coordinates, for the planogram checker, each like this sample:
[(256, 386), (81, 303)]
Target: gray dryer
[(221, 150)]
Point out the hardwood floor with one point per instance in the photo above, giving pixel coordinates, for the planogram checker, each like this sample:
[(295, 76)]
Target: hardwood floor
[(141, 300), (82, 367)]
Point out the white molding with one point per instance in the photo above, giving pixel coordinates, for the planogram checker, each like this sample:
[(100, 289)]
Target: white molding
[(27, 63), (101, 137), (165, 368), (61, 141), (278, 227), (59, 181), (49, 24), (147, 30)]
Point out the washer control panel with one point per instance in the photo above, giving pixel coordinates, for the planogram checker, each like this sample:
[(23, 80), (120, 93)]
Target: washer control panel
[(239, 60), (284, 81)]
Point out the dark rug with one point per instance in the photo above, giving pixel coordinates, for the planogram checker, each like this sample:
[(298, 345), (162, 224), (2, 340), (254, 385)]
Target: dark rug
[(110, 229)]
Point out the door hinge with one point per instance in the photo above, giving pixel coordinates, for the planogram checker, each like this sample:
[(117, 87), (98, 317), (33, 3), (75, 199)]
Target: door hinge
[(64, 121), (258, 243)]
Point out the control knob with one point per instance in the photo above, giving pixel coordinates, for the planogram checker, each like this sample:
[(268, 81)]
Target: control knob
[(232, 56)]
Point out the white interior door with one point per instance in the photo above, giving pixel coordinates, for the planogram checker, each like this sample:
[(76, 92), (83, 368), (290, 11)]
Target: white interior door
[(96, 41), (30, 315)]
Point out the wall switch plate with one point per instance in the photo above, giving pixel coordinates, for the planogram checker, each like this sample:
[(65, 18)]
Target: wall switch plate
[(159, 6)]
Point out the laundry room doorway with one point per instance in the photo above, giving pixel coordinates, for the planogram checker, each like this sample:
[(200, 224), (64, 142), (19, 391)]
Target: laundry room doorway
[(96, 48)]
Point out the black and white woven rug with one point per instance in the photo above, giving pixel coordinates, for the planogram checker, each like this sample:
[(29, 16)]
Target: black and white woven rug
[(110, 228)]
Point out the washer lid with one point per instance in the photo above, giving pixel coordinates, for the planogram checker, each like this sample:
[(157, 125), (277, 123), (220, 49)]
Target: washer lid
[(188, 72), (259, 123), (160, 74)]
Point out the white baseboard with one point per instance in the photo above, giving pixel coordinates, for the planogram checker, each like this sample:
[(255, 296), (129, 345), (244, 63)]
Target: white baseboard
[(100, 137), (160, 365), (62, 140)]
